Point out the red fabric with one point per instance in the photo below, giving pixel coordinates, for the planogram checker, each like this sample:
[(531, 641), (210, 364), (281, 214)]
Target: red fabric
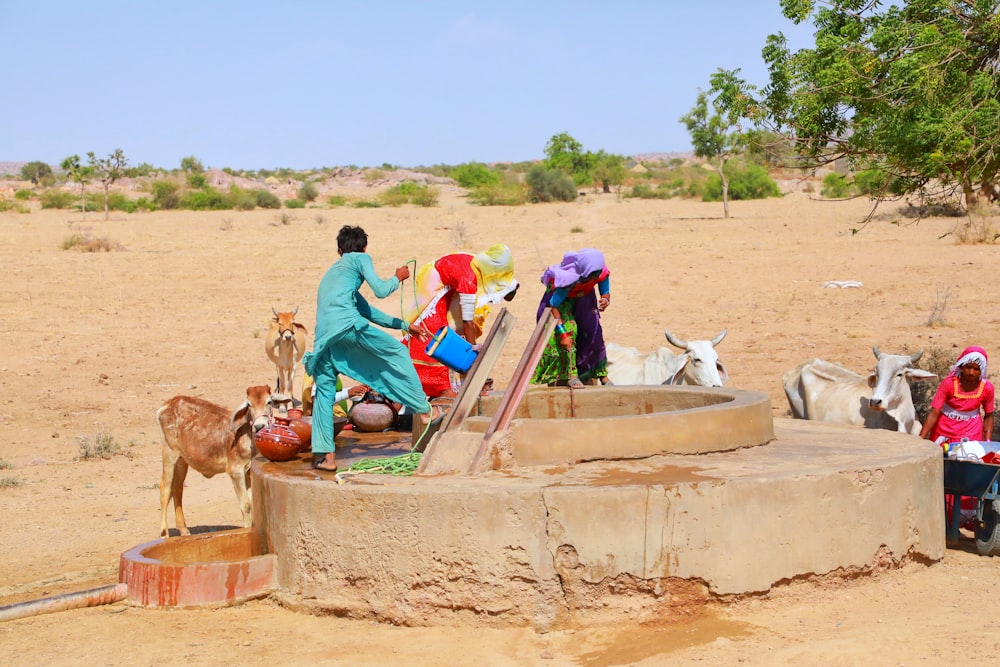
[(456, 272)]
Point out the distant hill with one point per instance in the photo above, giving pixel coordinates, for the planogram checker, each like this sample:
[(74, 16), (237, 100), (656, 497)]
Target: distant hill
[(11, 168)]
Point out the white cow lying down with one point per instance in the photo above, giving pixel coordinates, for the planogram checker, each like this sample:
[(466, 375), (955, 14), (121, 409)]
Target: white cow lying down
[(698, 364), (824, 391)]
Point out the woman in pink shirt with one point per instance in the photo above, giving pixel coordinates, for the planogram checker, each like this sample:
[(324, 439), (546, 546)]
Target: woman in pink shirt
[(963, 404)]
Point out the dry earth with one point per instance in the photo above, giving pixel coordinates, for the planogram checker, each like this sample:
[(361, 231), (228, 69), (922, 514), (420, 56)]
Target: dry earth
[(97, 341)]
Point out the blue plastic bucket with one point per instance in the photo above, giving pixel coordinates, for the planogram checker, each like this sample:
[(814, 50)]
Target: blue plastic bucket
[(451, 350)]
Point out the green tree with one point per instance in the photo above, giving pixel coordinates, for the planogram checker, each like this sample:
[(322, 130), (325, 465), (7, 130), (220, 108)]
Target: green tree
[(566, 154), (192, 164), (715, 137), (35, 171), (108, 169), (79, 174), (609, 171), (910, 88)]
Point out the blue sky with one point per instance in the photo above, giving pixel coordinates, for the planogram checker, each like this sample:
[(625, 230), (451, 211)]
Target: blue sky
[(303, 84)]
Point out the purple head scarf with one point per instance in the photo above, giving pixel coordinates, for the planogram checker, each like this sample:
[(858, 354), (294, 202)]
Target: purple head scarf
[(574, 266)]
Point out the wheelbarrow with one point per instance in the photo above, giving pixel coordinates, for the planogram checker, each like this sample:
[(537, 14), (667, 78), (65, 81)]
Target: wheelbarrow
[(977, 480)]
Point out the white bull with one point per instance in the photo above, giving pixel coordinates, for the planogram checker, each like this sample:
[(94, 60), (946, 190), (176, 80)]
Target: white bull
[(823, 391), (698, 364)]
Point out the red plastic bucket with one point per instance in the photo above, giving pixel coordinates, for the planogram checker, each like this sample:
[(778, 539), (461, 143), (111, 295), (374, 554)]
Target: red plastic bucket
[(451, 350)]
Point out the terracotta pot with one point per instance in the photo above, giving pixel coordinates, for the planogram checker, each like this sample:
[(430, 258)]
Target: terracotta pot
[(302, 428), (278, 442), (372, 417)]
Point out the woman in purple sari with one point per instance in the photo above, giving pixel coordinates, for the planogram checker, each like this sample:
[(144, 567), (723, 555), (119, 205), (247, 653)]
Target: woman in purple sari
[(575, 354)]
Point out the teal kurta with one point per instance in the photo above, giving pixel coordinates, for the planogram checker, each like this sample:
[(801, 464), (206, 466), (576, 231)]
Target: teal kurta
[(346, 342)]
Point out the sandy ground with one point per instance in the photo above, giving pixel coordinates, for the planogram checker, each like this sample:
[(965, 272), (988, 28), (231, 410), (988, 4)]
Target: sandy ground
[(97, 341)]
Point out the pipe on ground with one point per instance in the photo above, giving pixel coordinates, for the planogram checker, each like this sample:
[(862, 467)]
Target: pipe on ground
[(90, 598)]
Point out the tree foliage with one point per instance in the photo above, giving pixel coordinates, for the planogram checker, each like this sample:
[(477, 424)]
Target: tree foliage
[(911, 89), (546, 185), (79, 174), (192, 164), (566, 154), (108, 170), (715, 136), (36, 171)]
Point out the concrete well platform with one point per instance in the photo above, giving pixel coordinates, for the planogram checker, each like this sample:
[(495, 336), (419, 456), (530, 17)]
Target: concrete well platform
[(618, 533)]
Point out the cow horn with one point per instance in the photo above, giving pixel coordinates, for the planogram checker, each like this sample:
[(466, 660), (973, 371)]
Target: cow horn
[(676, 342), (295, 312), (878, 355), (718, 339), (915, 357), (274, 311)]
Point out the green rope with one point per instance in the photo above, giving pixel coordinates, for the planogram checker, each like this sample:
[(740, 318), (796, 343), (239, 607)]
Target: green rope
[(401, 466)]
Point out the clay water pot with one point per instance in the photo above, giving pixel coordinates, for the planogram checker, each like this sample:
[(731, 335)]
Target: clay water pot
[(372, 417), (302, 428), (277, 441)]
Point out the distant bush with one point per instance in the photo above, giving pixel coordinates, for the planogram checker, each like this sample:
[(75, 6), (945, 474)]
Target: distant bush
[(500, 194), (474, 174), (166, 194), (267, 199), (308, 191), (87, 243), (546, 185), (646, 191), (409, 192), (57, 199), (208, 199), (746, 181), (336, 200), (294, 203), (197, 180), (242, 199), (23, 195), (835, 186), (367, 203), (11, 205)]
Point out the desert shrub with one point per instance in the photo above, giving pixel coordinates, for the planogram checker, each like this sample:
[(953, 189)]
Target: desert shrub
[(336, 200), (425, 197), (474, 174), (870, 181), (208, 199), (5, 465), (57, 199), (197, 180), (367, 203), (10, 482), (23, 195), (546, 185), (645, 191), (372, 176), (103, 446), (294, 203), (308, 191), (835, 186), (267, 199), (11, 205), (117, 202), (87, 243), (166, 194), (749, 181), (393, 197), (499, 194), (242, 199)]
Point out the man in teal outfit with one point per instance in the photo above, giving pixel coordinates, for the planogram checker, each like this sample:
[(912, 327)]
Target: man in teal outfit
[(346, 342)]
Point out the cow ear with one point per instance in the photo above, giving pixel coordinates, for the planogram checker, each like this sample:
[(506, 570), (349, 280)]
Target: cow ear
[(872, 379), (299, 326), (723, 374), (916, 374), (678, 375), (240, 416)]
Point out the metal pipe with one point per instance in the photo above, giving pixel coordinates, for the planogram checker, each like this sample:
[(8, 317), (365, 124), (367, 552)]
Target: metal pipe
[(90, 598)]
